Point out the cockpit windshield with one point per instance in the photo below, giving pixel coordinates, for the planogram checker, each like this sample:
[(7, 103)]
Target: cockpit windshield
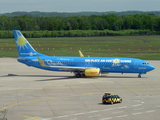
[(145, 63)]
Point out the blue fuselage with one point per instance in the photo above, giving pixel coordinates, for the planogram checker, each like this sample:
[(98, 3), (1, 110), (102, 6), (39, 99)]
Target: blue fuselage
[(105, 64)]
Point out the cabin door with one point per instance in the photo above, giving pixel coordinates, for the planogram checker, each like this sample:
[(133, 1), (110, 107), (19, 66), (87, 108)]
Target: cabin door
[(136, 64)]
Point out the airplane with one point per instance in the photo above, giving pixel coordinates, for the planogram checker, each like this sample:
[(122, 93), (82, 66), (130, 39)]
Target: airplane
[(80, 66)]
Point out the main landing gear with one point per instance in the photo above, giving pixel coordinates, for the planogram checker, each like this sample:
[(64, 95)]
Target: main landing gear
[(78, 75), (139, 76)]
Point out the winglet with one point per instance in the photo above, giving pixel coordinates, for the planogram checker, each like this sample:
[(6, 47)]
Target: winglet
[(80, 54), (41, 62)]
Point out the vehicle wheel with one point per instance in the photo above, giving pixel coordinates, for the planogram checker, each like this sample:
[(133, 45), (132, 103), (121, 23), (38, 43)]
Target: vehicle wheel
[(139, 76), (78, 75), (111, 103), (104, 102), (120, 101)]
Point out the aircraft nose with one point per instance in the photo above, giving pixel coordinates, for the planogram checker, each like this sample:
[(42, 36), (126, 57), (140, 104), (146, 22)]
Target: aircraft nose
[(151, 67)]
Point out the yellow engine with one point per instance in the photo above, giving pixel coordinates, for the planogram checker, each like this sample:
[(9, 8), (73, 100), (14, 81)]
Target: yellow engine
[(93, 72)]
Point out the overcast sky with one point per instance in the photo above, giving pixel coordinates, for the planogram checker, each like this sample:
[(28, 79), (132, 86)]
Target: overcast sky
[(78, 5)]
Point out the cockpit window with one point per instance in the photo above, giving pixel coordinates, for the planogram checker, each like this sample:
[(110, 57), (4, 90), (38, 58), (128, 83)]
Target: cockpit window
[(145, 63)]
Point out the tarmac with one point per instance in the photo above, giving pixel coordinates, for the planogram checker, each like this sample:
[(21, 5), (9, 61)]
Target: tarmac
[(28, 93)]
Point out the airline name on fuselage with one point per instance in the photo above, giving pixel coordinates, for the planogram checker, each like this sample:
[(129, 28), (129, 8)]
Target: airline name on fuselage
[(105, 60), (31, 54)]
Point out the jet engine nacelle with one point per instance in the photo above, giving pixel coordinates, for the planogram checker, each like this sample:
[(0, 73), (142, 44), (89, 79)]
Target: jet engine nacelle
[(93, 72)]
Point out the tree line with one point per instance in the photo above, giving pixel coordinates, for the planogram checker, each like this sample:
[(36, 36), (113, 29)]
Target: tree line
[(66, 14), (78, 33), (93, 25)]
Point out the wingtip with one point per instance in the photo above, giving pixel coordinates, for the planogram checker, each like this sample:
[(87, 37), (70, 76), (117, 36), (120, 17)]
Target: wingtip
[(80, 53)]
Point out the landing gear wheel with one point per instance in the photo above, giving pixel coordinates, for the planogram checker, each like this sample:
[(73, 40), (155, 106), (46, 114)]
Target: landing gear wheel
[(139, 76), (78, 75), (83, 75)]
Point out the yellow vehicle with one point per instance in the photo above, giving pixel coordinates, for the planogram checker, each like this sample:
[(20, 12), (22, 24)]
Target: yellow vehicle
[(108, 98)]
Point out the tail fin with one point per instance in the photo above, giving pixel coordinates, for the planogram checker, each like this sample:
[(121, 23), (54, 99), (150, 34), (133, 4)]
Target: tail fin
[(23, 46)]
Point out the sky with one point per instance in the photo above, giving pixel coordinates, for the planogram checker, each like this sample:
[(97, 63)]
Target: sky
[(78, 5)]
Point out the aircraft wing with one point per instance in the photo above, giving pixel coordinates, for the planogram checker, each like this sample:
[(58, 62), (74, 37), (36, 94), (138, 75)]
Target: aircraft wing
[(68, 68)]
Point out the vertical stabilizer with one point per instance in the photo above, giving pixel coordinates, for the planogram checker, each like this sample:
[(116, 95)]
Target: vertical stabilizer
[(23, 46)]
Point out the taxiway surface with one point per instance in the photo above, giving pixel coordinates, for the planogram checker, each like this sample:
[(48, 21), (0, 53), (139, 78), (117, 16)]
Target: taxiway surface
[(28, 93)]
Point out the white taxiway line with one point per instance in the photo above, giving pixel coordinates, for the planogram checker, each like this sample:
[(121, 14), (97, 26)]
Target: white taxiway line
[(137, 113), (112, 112), (95, 116), (122, 116), (117, 112), (113, 108), (136, 105), (63, 116), (108, 109), (139, 109), (107, 118), (157, 106), (150, 111), (92, 112), (79, 114), (122, 107)]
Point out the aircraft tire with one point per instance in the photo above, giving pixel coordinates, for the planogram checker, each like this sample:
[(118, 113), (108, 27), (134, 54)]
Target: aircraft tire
[(104, 102), (83, 75), (78, 75), (111, 103), (139, 76)]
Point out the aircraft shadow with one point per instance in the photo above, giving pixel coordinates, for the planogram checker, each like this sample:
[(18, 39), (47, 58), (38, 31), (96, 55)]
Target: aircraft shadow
[(107, 104), (118, 77), (72, 76), (49, 76), (35, 75), (54, 77), (62, 77)]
